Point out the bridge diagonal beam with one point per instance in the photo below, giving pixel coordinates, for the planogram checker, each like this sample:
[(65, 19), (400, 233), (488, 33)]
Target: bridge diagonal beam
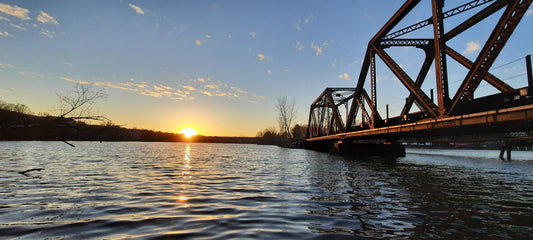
[(506, 25), (419, 81), (359, 88), (421, 97), (368, 100), (476, 18), (394, 20), (336, 114), (493, 80), (364, 113)]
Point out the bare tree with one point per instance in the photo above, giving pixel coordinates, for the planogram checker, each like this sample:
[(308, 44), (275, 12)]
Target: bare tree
[(286, 113), (77, 103)]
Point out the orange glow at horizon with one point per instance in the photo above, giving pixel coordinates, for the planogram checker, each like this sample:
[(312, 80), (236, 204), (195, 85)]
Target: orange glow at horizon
[(189, 132)]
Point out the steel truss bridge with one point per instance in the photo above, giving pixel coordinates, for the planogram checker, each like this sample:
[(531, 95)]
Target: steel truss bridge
[(451, 114)]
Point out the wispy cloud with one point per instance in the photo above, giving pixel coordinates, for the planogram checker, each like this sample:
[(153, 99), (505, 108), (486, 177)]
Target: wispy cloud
[(301, 22), (6, 65), (269, 71), (5, 34), (46, 18), (190, 88), (300, 46), (137, 9), (18, 27), (75, 80), (317, 48), (47, 33), (15, 11), (207, 93), (31, 74), (208, 36), (529, 12), (198, 43), (207, 88), (471, 47), (261, 57), (252, 34), (344, 76)]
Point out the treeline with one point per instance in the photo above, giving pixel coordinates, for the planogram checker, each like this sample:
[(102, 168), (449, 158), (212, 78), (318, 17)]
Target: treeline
[(17, 107), (21, 126), (294, 138)]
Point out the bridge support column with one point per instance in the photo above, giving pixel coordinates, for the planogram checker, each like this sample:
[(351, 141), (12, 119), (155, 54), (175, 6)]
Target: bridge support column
[(504, 149)]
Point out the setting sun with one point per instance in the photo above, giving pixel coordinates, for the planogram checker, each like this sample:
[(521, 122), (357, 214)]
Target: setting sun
[(189, 132)]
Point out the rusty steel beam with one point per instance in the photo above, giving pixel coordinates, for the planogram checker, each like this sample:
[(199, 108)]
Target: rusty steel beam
[(360, 86), (335, 112), (441, 72), (421, 97), (373, 89), (368, 100), (395, 19), (491, 9), (420, 43), (463, 8), (505, 27), (493, 80), (419, 81)]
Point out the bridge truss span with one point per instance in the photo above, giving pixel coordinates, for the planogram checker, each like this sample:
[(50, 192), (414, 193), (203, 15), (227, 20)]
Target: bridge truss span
[(340, 113)]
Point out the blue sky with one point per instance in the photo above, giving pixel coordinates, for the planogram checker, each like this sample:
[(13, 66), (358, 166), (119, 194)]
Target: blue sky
[(217, 66)]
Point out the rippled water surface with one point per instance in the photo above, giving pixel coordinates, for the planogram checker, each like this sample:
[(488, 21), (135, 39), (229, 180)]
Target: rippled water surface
[(222, 191)]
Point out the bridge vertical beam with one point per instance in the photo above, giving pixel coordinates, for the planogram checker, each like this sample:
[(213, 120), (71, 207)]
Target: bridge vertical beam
[(373, 89), (529, 76), (440, 56)]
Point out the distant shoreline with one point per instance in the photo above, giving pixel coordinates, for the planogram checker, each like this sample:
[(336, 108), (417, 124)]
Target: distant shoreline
[(15, 126)]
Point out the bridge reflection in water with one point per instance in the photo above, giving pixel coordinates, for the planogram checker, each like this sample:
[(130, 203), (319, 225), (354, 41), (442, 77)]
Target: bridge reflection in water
[(505, 117)]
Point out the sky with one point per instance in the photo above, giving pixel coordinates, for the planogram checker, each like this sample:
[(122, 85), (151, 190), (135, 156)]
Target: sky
[(213, 65)]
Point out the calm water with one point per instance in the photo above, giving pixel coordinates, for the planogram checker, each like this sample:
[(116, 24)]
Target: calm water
[(221, 191)]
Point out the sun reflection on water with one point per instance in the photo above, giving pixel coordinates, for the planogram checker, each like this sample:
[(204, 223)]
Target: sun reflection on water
[(186, 176)]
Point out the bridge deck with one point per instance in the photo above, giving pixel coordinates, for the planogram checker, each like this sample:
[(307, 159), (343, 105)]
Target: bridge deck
[(504, 120)]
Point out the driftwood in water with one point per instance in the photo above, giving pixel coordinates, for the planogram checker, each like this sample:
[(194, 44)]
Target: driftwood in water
[(30, 170)]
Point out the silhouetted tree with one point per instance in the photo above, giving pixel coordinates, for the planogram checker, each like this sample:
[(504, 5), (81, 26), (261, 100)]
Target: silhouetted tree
[(19, 107), (286, 113), (77, 103), (299, 131)]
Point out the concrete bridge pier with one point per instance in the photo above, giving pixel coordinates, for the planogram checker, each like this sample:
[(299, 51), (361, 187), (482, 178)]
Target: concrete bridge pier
[(359, 148), (362, 148)]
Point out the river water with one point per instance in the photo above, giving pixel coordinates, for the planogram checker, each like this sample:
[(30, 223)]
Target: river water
[(223, 191)]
